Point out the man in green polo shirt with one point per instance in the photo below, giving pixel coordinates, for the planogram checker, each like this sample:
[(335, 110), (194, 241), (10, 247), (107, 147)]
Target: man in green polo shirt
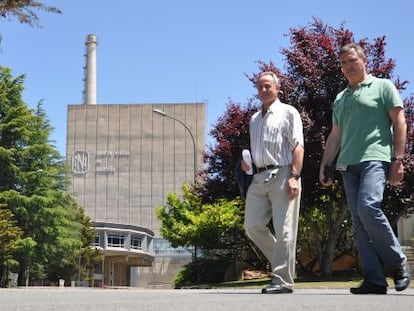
[(369, 132)]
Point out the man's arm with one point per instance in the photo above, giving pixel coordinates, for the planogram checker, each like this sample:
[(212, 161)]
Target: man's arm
[(297, 159), (399, 126), (293, 186), (331, 149)]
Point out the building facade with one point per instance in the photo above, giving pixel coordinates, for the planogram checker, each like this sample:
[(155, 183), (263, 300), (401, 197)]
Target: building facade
[(125, 159)]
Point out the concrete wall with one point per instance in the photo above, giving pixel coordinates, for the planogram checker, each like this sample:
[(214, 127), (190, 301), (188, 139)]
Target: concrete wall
[(125, 158), (162, 272), (406, 230)]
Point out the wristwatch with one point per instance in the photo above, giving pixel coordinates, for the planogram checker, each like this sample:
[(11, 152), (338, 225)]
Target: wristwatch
[(296, 176)]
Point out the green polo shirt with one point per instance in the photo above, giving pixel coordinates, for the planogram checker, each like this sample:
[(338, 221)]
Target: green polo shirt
[(364, 122)]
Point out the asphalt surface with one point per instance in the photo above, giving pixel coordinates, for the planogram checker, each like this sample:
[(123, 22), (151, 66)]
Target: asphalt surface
[(91, 299)]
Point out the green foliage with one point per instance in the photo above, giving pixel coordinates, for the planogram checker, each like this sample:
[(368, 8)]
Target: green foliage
[(186, 222), (33, 182), (181, 278), (80, 234), (325, 233), (9, 235), (204, 271)]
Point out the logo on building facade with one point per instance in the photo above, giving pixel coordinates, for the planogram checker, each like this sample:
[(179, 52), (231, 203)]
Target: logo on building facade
[(80, 162)]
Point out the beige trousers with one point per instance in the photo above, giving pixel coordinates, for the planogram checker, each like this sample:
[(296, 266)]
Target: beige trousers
[(267, 199)]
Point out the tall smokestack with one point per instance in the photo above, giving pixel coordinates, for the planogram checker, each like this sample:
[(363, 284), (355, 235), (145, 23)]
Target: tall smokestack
[(90, 71)]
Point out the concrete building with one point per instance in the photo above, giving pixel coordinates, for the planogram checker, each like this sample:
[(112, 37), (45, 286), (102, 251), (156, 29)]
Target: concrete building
[(125, 159)]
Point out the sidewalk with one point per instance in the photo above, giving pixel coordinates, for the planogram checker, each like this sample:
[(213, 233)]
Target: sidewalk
[(92, 299)]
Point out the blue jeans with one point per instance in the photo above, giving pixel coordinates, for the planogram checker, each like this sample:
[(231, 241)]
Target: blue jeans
[(375, 240)]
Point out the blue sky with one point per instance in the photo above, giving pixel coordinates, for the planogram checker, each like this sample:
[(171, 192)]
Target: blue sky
[(179, 51)]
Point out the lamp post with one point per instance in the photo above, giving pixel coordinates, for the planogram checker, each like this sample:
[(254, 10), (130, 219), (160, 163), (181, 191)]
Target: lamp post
[(162, 113)]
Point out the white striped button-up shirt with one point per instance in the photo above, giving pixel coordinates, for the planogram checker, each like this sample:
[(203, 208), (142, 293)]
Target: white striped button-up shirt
[(274, 136)]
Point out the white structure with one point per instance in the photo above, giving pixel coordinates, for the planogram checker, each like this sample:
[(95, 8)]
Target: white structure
[(90, 71)]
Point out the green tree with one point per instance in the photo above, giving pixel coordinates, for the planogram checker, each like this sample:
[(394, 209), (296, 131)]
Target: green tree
[(33, 185), (24, 11), (188, 222), (9, 237), (74, 245)]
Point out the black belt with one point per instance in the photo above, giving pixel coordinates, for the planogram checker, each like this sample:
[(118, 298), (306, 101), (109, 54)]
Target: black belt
[(265, 168)]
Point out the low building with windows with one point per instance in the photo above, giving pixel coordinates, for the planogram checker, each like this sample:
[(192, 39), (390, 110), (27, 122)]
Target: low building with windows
[(122, 247)]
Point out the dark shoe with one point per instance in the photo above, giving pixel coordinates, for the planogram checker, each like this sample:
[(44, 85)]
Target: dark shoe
[(401, 278), (276, 289), (369, 288)]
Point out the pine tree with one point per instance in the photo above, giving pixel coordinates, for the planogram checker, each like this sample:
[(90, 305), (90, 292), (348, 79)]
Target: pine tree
[(9, 236), (32, 185)]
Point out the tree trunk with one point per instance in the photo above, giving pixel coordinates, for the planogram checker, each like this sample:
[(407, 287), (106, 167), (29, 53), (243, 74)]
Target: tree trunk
[(328, 252), (21, 279)]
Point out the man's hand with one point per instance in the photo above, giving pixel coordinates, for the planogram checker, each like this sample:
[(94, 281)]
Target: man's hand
[(244, 166), (326, 174), (396, 173), (293, 188)]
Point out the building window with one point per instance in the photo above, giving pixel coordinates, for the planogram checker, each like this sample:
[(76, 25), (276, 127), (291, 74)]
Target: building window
[(116, 240), (136, 242), (97, 241), (163, 248)]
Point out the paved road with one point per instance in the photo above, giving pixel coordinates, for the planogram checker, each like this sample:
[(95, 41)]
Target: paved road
[(91, 299)]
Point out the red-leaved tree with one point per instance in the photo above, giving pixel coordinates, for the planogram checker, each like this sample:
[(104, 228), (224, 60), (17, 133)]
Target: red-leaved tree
[(231, 134), (311, 82)]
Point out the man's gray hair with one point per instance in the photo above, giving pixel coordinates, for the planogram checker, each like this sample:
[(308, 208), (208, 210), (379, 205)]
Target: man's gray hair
[(268, 73)]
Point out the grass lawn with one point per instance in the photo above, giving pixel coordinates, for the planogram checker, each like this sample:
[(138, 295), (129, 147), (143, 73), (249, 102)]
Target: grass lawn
[(299, 284)]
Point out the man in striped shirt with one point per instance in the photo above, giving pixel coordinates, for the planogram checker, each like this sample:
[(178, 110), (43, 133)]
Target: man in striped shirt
[(276, 142)]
